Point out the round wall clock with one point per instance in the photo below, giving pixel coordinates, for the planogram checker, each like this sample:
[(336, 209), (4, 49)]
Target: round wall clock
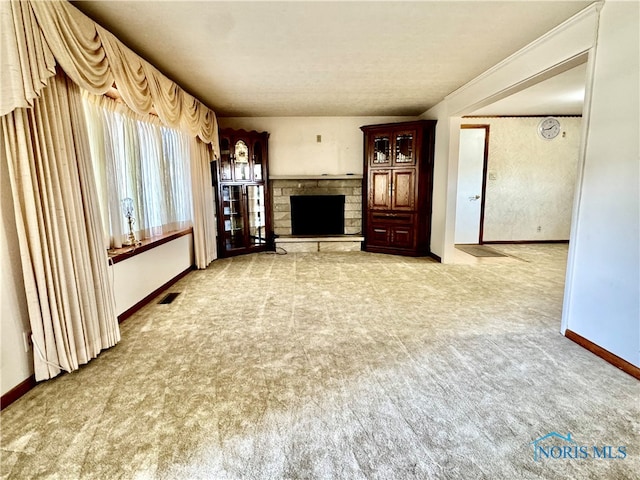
[(549, 128)]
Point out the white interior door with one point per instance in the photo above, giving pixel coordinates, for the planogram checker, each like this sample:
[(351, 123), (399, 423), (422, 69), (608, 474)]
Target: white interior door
[(470, 168)]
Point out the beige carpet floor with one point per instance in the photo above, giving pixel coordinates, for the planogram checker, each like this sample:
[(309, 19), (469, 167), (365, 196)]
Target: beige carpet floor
[(336, 366)]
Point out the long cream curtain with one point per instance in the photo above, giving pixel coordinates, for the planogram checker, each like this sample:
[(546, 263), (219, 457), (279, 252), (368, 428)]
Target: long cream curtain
[(37, 35), (70, 300), (26, 62), (71, 305), (204, 227)]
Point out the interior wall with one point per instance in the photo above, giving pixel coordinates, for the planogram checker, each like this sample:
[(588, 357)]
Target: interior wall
[(444, 174), (17, 364), (530, 181), (136, 277), (294, 149), (602, 301)]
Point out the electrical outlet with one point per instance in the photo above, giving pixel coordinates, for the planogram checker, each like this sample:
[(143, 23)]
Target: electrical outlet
[(26, 340), (539, 228)]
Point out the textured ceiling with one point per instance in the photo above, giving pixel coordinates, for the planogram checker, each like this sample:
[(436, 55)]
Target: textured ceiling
[(326, 58)]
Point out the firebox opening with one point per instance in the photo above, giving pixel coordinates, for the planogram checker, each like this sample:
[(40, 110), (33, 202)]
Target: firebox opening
[(317, 214)]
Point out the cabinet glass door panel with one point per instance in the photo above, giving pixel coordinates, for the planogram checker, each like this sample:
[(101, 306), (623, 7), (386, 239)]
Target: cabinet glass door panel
[(256, 215), (381, 150), (241, 160), (232, 217), (405, 148), (257, 161), (225, 159)]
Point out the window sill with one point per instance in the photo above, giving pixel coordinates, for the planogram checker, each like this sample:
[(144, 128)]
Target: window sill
[(119, 254)]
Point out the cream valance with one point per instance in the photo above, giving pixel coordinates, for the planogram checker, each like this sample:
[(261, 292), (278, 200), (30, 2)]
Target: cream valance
[(38, 35)]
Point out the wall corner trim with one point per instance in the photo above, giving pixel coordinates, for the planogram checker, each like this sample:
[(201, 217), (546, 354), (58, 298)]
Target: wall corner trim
[(606, 355)]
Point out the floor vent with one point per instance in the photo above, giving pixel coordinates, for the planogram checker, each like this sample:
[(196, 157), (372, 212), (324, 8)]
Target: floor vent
[(170, 297)]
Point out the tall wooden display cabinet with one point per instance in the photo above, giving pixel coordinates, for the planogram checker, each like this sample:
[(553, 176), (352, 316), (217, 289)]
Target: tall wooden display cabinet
[(244, 209), (398, 181)]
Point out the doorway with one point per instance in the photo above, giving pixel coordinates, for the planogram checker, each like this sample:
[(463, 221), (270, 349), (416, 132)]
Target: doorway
[(472, 183)]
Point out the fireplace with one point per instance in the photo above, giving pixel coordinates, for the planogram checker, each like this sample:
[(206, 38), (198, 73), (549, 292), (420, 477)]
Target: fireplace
[(317, 214), (345, 191), (282, 189)]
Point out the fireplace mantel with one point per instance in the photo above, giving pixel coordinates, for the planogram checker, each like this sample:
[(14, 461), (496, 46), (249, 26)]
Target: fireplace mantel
[(349, 176)]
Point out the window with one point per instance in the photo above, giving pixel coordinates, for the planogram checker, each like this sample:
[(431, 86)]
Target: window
[(137, 157)]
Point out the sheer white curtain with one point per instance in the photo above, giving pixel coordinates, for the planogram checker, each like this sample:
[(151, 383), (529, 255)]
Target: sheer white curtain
[(138, 158), (69, 296), (176, 146)]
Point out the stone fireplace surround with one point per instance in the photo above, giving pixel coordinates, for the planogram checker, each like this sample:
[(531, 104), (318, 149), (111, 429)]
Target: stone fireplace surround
[(282, 187)]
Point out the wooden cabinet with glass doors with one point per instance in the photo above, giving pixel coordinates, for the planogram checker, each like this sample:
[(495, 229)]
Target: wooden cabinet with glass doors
[(398, 170), (244, 211)]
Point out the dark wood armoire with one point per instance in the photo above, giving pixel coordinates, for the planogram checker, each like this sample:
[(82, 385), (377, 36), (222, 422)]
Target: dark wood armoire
[(398, 186)]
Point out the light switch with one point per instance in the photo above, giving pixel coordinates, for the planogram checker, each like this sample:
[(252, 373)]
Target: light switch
[(319, 138), (492, 176)]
